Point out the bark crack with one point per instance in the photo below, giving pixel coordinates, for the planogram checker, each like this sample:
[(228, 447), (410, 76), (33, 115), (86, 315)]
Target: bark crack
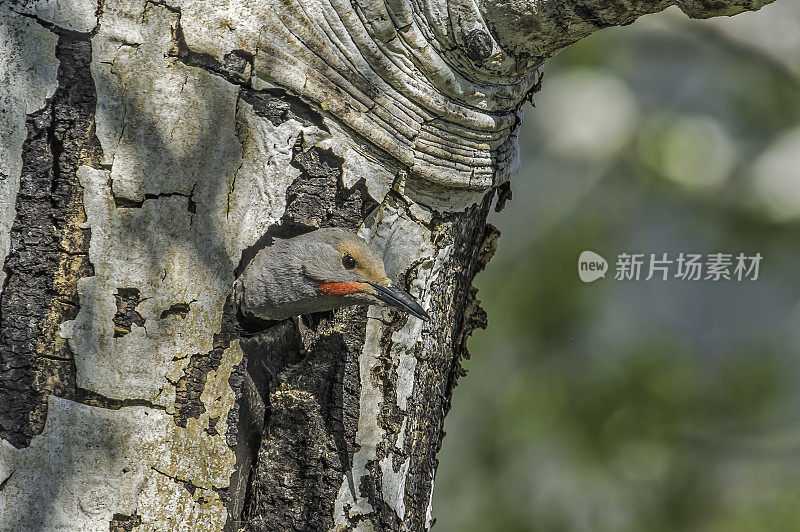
[(122, 202), (95, 399), (5, 481), (191, 488)]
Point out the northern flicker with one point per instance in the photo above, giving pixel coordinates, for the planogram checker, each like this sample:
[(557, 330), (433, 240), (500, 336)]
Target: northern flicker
[(317, 271)]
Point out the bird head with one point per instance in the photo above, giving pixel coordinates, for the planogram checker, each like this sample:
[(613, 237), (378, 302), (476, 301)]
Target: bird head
[(345, 267)]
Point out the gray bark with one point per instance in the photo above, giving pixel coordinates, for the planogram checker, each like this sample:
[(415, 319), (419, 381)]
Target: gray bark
[(149, 150)]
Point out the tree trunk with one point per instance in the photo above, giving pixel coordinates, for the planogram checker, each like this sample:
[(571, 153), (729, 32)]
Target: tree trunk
[(149, 150)]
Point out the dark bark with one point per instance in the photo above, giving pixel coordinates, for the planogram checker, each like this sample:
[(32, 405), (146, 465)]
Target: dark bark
[(49, 249)]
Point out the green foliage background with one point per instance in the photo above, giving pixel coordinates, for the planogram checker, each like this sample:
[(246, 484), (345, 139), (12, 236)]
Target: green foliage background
[(649, 405)]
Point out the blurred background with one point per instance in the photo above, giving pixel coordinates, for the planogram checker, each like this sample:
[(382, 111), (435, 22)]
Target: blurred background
[(649, 405)]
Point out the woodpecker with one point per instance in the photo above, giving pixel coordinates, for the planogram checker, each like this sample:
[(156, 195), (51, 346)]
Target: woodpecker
[(322, 270)]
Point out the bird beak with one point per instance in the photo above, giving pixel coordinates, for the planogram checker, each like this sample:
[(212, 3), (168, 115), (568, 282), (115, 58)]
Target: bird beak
[(401, 299)]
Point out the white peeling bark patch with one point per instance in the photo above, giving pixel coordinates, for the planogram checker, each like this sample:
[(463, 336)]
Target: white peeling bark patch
[(429, 509), (361, 162), (164, 127), (152, 249), (393, 485), (257, 195), (90, 463), (82, 468), (404, 242), (193, 464), (28, 69)]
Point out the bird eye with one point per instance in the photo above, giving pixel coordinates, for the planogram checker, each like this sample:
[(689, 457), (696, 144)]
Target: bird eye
[(348, 262)]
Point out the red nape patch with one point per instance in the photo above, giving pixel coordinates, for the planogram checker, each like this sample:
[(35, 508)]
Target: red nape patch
[(339, 289)]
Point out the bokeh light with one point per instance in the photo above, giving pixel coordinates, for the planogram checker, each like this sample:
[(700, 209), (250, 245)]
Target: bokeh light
[(642, 405)]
